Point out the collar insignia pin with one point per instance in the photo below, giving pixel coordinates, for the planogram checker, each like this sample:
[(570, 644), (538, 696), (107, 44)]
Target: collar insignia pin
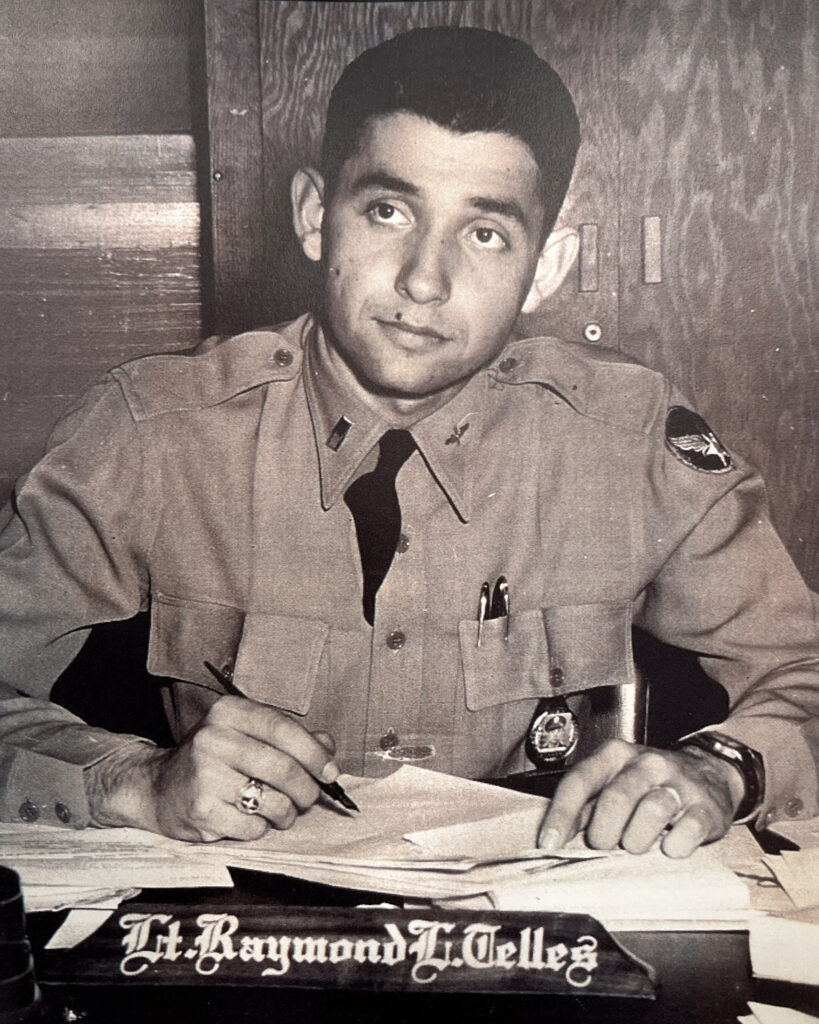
[(338, 434), (457, 433)]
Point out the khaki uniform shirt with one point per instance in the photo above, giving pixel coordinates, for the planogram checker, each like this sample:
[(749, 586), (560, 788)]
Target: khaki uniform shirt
[(202, 487)]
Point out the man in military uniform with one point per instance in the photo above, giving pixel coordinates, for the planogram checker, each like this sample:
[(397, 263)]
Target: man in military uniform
[(389, 531)]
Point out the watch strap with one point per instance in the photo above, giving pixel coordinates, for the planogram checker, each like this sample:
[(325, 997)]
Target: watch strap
[(747, 760)]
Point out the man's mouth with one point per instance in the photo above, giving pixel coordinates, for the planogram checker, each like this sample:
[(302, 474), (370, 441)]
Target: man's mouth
[(419, 330)]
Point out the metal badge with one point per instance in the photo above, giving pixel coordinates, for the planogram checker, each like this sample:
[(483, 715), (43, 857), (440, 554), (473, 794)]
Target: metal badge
[(393, 750), (553, 734), (689, 439)]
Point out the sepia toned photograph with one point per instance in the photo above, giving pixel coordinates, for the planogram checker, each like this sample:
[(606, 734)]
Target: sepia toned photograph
[(408, 538)]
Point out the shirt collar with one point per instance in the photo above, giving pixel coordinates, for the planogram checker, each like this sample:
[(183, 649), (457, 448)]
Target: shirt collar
[(448, 439)]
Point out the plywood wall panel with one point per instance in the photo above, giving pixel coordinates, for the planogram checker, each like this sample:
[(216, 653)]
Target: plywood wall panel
[(720, 139), (99, 263), (236, 213)]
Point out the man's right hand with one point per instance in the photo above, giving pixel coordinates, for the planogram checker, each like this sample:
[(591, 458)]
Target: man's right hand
[(192, 791)]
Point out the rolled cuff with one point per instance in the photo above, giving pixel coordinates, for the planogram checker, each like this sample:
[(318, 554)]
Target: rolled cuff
[(791, 784)]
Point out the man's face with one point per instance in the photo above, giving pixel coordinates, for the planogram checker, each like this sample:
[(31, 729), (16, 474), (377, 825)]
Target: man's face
[(429, 245)]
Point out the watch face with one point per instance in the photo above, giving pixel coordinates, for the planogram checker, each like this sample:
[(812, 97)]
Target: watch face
[(552, 736)]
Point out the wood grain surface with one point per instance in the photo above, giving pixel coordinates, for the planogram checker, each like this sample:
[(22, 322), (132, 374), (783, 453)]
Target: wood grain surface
[(236, 211), (719, 114), (99, 263), (119, 168)]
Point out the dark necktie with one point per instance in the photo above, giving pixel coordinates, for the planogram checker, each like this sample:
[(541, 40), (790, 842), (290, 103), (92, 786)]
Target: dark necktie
[(374, 504)]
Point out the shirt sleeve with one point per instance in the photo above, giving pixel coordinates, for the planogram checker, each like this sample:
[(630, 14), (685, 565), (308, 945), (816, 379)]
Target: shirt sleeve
[(72, 553), (731, 593)]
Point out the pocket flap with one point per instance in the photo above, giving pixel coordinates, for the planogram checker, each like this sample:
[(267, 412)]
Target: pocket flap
[(500, 670), (590, 645), (185, 634), (278, 660)]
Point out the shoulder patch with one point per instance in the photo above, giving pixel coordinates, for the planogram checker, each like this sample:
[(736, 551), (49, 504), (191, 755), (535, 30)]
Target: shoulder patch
[(690, 440)]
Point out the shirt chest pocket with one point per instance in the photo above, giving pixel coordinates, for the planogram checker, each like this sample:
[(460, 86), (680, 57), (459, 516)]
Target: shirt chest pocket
[(562, 649), (273, 659)]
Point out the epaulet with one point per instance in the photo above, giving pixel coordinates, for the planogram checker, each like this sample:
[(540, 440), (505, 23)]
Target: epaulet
[(213, 372), (595, 382)]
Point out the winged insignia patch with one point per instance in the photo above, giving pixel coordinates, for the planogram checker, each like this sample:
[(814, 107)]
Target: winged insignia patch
[(689, 438)]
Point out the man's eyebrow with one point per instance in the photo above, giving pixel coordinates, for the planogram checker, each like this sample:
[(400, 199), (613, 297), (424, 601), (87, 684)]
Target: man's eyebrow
[(504, 207), (382, 180), (485, 204)]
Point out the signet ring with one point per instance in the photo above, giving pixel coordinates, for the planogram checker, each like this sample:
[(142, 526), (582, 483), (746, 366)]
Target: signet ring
[(250, 796)]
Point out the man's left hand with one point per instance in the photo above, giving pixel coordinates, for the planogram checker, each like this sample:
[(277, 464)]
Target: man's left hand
[(628, 795)]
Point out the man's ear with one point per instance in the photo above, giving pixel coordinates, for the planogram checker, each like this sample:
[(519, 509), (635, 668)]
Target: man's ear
[(307, 199), (554, 263)]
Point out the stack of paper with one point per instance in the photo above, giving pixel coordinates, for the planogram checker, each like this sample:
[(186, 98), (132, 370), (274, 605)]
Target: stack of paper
[(90, 868), (420, 834), (798, 874), (785, 946), (431, 836)]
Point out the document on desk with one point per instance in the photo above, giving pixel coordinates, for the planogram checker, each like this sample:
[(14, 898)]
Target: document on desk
[(431, 836), (58, 868), (420, 834)]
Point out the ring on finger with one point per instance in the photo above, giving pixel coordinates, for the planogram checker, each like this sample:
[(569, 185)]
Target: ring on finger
[(250, 797), (674, 793)]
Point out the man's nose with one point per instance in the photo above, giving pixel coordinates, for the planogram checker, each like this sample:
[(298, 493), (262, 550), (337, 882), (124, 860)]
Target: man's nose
[(425, 272)]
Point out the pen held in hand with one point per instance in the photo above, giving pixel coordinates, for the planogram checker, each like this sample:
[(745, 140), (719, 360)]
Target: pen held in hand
[(337, 793), (332, 789)]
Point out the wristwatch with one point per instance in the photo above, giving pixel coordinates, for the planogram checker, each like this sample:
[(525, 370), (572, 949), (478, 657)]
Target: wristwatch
[(747, 760)]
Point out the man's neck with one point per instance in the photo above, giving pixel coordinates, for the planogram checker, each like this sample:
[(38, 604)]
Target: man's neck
[(396, 410)]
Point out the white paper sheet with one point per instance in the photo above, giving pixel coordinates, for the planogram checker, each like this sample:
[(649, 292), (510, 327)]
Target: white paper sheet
[(798, 873)]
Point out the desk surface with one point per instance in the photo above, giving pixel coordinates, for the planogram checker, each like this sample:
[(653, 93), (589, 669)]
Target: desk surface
[(703, 977)]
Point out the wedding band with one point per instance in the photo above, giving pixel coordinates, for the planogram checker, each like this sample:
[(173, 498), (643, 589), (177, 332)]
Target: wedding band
[(250, 796), (673, 792)]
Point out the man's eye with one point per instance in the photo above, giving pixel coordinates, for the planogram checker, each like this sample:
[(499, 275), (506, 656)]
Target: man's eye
[(386, 213), (489, 238)]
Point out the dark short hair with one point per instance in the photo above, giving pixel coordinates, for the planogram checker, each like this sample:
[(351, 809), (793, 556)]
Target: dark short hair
[(466, 80)]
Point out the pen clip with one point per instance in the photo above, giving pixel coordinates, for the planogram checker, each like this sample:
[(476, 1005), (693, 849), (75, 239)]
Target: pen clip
[(500, 603), (483, 608)]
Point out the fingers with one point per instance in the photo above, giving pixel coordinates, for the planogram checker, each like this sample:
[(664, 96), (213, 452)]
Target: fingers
[(634, 807), (694, 827), (199, 794), (277, 770), (276, 729), (576, 789), (262, 743), (660, 806), (326, 740), (634, 795)]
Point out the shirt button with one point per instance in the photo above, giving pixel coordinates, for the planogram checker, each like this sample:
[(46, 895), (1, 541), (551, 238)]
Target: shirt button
[(388, 740), (769, 817), (403, 544), (63, 813), (508, 364), (396, 640), (283, 357), (793, 807), (556, 677), (29, 811)]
